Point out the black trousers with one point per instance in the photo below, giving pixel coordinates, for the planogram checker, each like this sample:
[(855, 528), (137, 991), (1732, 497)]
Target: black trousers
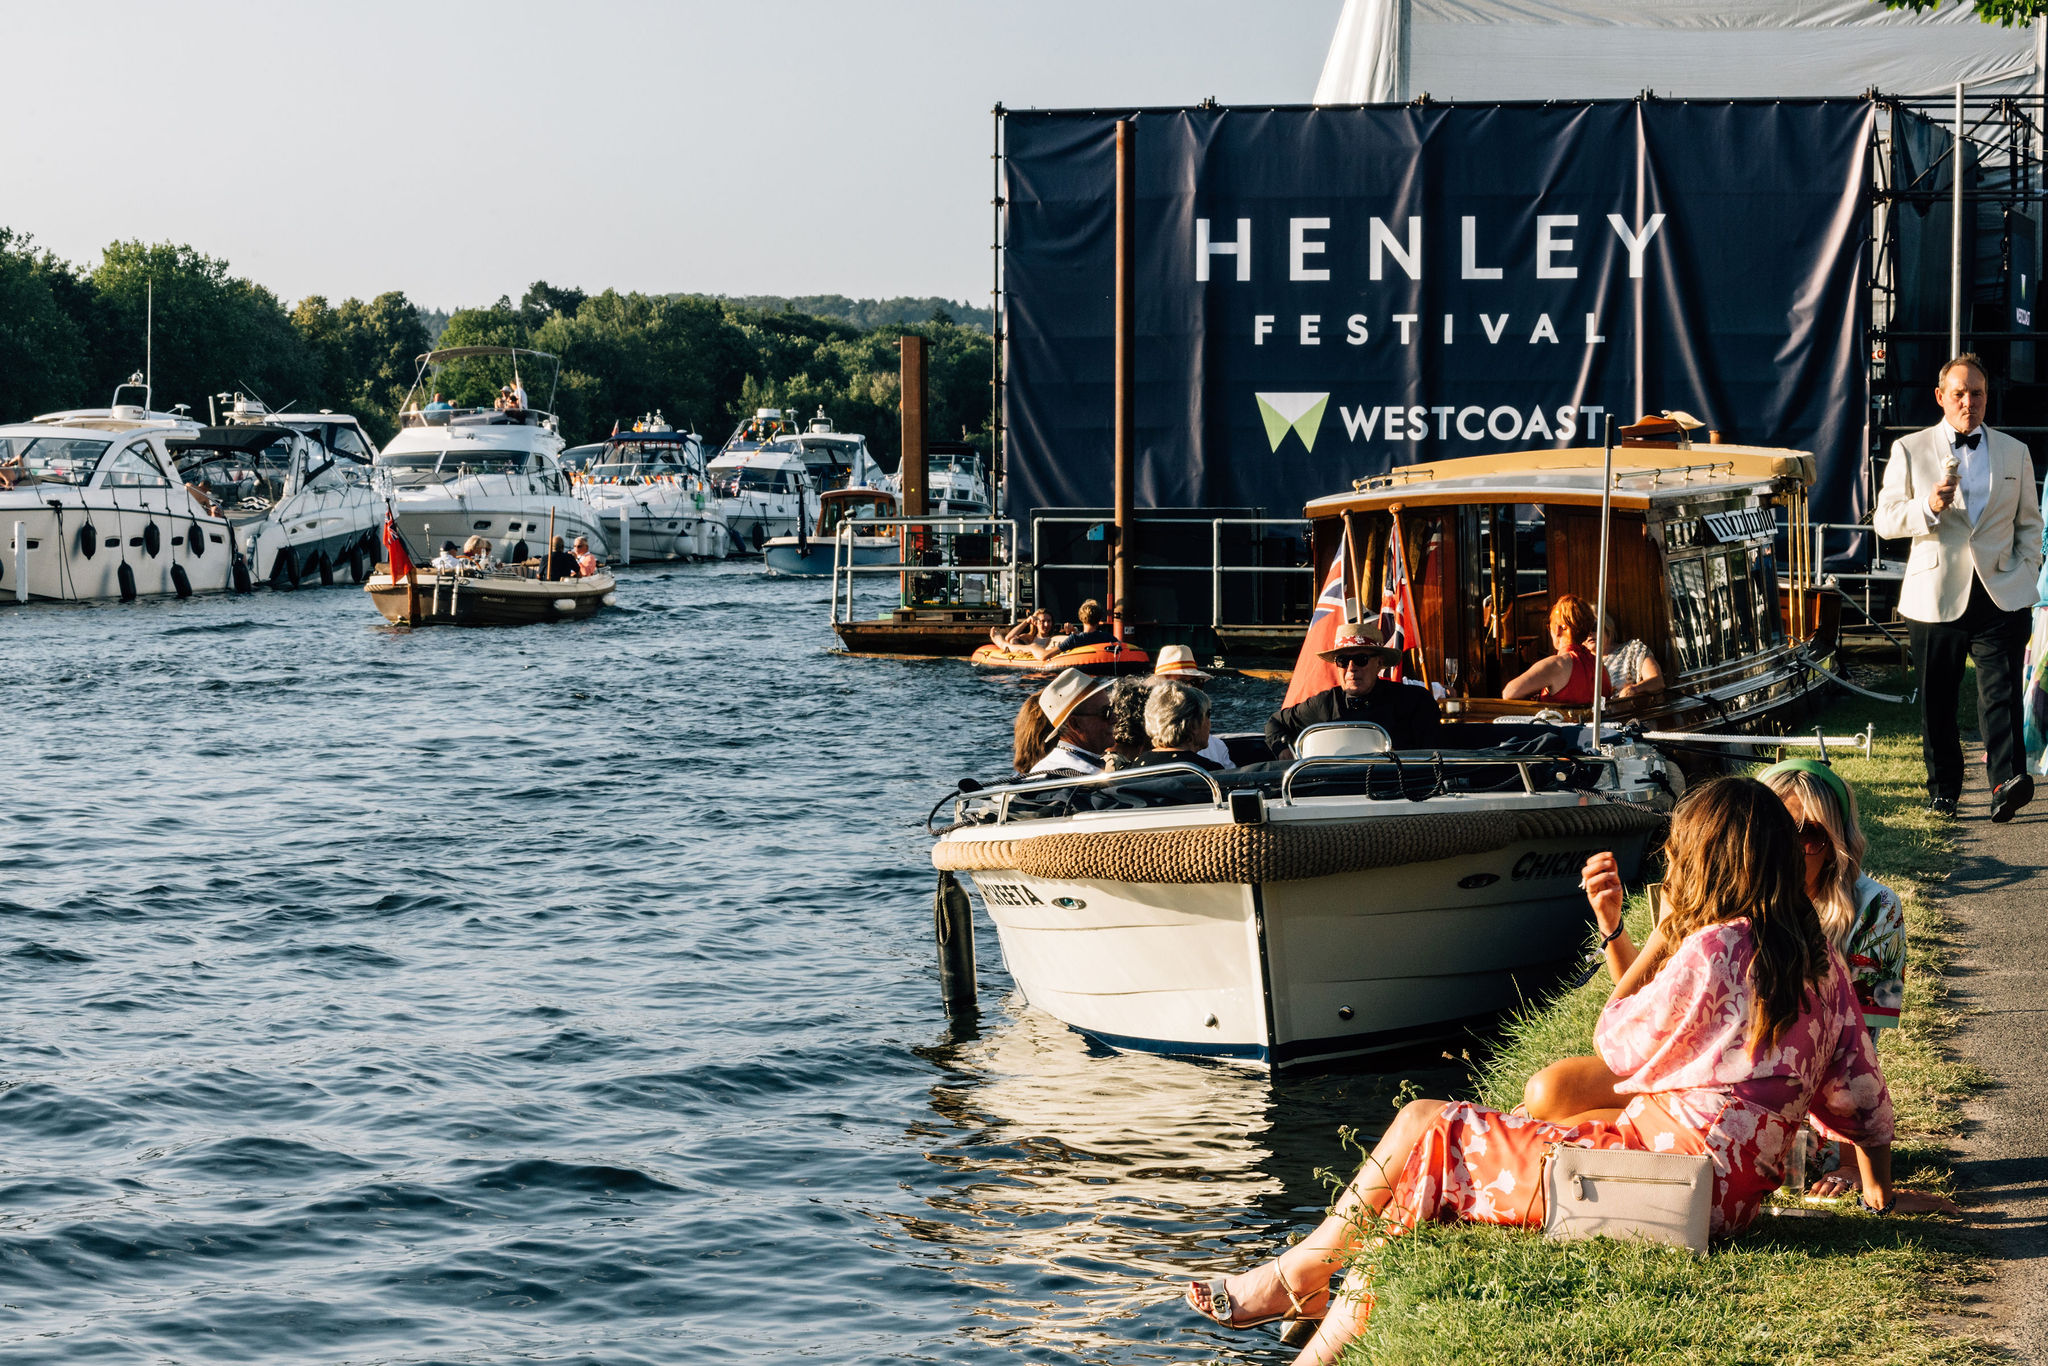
[(1997, 640)]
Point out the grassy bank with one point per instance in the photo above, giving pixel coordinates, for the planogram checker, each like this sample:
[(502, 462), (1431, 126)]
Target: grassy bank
[(1833, 1286)]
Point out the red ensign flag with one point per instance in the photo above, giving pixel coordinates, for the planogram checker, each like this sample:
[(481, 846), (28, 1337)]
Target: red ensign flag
[(394, 550), (1313, 674)]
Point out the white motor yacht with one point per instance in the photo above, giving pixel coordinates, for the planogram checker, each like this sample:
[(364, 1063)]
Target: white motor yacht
[(955, 481), (490, 472), (650, 488), (837, 460), (91, 506), (762, 481), (295, 487)]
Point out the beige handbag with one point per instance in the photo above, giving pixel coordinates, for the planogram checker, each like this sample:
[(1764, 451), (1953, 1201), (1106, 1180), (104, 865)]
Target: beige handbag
[(1622, 1193)]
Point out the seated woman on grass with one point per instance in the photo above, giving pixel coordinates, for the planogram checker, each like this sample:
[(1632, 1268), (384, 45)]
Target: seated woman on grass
[(1861, 917), (1732, 1025)]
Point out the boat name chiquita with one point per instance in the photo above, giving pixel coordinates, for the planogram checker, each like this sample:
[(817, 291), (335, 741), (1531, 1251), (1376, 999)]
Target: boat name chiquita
[(1008, 894), (1535, 865)]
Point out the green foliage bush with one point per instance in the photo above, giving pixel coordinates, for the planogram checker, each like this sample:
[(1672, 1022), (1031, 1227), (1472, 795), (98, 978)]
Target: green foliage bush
[(69, 334)]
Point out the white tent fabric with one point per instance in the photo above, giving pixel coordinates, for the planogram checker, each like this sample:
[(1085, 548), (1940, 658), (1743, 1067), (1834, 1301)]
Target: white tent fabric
[(1393, 50)]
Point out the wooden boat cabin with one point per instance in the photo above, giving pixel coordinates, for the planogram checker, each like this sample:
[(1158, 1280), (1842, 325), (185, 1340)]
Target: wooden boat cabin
[(1695, 570)]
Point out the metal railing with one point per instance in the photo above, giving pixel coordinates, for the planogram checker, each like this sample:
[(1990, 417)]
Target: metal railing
[(1001, 566), (1216, 568)]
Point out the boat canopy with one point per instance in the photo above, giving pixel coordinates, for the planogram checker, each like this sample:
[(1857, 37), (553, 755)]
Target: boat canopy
[(464, 352), (1643, 473), (249, 439)]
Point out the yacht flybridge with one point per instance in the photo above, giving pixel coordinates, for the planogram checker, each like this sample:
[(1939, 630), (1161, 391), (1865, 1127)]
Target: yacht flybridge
[(763, 481), (495, 472), (91, 506)]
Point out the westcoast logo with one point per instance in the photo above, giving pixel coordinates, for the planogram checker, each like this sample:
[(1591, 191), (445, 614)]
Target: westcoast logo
[(1302, 414)]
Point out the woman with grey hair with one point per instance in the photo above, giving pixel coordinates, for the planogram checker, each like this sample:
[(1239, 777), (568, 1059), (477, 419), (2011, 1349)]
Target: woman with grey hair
[(1177, 724)]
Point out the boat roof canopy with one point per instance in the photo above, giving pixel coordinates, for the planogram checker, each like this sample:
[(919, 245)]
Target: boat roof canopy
[(229, 438), (449, 353), (1643, 473)]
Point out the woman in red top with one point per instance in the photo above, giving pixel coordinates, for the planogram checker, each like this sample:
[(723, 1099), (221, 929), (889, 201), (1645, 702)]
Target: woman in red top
[(1565, 678)]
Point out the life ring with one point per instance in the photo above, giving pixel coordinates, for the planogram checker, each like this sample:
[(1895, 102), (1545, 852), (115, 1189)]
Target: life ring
[(1100, 660)]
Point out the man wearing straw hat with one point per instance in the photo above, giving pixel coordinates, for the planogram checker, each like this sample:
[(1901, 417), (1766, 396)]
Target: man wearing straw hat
[(1077, 708), (1408, 715)]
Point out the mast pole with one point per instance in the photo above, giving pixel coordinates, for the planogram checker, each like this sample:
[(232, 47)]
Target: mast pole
[(1600, 595)]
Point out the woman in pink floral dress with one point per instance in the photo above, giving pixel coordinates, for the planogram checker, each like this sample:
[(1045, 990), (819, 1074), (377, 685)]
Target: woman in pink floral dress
[(1734, 1022)]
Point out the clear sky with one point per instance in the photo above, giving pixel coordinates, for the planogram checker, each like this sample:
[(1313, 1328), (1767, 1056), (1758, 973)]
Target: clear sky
[(459, 151)]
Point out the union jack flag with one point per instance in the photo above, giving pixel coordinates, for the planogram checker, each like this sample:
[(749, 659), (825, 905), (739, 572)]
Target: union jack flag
[(1312, 673), (1398, 624)]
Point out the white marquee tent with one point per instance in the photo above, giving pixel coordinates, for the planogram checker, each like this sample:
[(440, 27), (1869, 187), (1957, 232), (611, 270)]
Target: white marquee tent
[(1394, 50)]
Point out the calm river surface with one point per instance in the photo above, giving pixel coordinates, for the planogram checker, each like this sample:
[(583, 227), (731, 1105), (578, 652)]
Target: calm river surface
[(562, 995)]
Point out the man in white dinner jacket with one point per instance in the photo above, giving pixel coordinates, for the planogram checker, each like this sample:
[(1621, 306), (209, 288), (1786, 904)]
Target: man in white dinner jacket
[(1965, 495)]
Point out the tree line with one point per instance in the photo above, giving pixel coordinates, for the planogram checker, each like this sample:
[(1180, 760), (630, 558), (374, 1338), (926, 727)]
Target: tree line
[(69, 334)]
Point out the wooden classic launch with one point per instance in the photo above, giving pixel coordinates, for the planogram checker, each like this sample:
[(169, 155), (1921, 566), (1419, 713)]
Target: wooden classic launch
[(499, 596), (1490, 542)]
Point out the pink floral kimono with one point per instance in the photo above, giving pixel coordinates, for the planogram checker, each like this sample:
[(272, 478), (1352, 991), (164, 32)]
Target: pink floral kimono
[(1680, 1046)]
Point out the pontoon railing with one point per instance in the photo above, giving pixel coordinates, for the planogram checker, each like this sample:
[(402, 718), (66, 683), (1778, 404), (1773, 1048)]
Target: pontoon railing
[(1216, 568), (1001, 567)]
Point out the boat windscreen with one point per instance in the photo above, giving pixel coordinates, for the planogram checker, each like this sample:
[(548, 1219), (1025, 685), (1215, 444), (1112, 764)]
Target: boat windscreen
[(485, 462), (50, 459)]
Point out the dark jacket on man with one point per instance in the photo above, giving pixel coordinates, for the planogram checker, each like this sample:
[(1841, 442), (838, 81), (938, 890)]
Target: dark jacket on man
[(561, 564), (1408, 714), (1153, 758)]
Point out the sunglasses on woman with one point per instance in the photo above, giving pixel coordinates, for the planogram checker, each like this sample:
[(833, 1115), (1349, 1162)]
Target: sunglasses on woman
[(1815, 839)]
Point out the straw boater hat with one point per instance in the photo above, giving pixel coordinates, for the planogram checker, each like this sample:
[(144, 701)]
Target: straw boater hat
[(1177, 661), (1359, 637), (1067, 692)]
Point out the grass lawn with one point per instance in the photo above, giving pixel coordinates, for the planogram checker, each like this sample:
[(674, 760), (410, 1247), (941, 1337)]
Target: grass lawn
[(1833, 1286)]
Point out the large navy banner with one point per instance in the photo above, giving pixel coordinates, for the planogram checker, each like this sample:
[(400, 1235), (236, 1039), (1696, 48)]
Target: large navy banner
[(1325, 293)]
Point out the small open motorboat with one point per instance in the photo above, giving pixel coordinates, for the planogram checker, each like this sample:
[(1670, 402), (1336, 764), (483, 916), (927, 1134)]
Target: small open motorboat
[(1352, 901), (1117, 657), (505, 595), (841, 536)]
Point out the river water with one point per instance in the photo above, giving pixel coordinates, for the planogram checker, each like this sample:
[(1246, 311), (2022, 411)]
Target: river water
[(564, 995)]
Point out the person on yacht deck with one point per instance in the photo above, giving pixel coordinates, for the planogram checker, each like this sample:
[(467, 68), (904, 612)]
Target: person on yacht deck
[(1077, 706), (439, 405), (450, 557), (518, 396), (586, 563)]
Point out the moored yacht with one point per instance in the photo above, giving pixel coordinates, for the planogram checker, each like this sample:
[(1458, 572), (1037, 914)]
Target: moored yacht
[(762, 481), (955, 481), (295, 487), (489, 472), (91, 506), (653, 477), (836, 460)]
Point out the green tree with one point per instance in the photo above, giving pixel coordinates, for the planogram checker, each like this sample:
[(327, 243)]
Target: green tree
[(2003, 12), (212, 332), (42, 343)]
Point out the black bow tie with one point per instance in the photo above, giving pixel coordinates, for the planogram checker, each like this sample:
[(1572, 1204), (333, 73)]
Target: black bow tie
[(1958, 441)]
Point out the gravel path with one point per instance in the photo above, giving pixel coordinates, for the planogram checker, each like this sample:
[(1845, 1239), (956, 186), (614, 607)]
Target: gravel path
[(2001, 981)]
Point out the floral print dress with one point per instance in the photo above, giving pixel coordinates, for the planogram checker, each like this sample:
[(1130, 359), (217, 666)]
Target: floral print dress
[(1680, 1047)]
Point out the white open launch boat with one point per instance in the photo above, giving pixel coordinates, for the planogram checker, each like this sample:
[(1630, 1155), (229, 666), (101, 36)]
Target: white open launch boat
[(1338, 905)]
